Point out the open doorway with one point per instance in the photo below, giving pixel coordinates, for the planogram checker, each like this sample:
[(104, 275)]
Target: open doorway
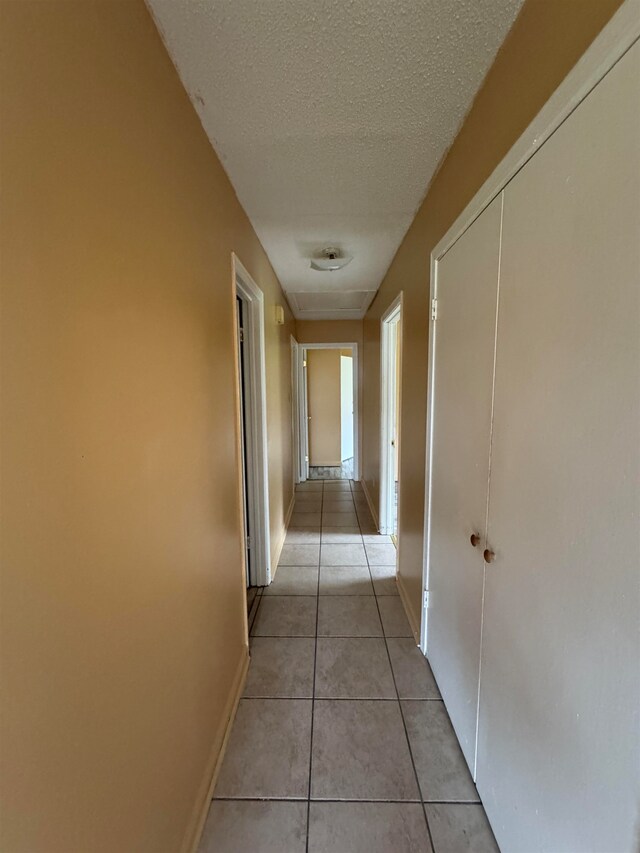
[(328, 413), (390, 374), (249, 307)]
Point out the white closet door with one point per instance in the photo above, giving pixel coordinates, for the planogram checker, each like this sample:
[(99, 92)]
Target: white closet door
[(467, 279), (558, 748)]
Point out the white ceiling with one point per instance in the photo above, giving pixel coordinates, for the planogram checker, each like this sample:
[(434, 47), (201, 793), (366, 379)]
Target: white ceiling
[(330, 118)]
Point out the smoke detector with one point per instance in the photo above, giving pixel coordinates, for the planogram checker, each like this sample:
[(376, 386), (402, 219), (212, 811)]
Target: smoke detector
[(329, 260)]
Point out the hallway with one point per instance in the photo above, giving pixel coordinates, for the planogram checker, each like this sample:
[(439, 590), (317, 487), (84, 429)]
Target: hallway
[(341, 736)]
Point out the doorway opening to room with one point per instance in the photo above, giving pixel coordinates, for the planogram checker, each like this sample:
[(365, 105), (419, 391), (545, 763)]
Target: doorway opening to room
[(254, 504), (390, 374), (327, 396)]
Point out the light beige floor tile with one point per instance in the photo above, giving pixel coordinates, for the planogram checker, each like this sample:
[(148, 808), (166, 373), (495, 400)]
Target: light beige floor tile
[(460, 828), (384, 580), (299, 555), (338, 506), (252, 825), (377, 539), (348, 616), (341, 504), (345, 580), (353, 668), (286, 616), (309, 486), (281, 667), (341, 535), (339, 519), (367, 828), (308, 498), (302, 537), (394, 618), (412, 673), (303, 517), (294, 580), (440, 765), (381, 555), (343, 555), (360, 752), (302, 522), (268, 751)]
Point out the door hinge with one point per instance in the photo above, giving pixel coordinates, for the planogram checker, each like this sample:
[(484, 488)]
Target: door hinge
[(241, 336), (434, 309), (306, 458), (304, 363), (425, 600), (248, 542)]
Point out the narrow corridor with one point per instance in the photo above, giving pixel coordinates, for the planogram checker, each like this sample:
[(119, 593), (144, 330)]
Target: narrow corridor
[(341, 742)]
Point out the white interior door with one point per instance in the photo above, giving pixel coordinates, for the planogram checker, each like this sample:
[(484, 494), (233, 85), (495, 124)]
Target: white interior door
[(559, 726), (346, 406), (467, 283)]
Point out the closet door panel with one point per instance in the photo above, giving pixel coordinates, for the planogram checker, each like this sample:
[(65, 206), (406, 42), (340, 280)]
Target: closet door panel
[(558, 746), (467, 280)]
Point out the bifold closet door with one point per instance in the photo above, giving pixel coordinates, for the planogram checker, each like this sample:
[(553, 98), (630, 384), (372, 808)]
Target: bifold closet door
[(558, 765), (467, 280)]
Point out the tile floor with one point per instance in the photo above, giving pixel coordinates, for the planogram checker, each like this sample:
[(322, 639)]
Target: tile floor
[(341, 742)]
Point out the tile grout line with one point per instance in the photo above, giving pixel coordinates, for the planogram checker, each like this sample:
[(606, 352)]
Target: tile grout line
[(416, 801), (404, 723), (339, 698), (313, 685)]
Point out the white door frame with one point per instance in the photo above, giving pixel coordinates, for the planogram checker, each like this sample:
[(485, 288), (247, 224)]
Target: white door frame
[(295, 406), (390, 339), (304, 423), (622, 31), (256, 421)]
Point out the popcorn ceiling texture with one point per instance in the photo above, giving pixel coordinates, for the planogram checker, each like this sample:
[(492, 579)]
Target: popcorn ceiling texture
[(331, 116)]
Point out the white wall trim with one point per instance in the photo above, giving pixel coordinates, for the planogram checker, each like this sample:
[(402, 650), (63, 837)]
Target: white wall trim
[(406, 603), (256, 415), (295, 407), (372, 508), (352, 345), (388, 390), (622, 31), (287, 520)]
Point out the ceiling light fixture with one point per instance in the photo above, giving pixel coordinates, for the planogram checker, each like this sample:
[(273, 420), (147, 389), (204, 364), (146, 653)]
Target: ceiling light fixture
[(330, 259)]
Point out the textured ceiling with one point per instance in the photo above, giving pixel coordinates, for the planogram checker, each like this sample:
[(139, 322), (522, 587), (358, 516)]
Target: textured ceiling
[(331, 116)]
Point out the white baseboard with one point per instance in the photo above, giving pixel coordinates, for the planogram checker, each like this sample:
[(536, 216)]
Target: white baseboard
[(287, 519), (372, 508), (404, 598), (201, 808)]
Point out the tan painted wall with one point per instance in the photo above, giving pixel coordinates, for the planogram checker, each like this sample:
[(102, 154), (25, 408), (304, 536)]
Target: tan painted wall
[(323, 396), (122, 601), (337, 331), (329, 331), (546, 41)]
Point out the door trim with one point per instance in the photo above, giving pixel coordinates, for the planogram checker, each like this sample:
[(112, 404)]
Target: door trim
[(295, 406), (256, 419), (388, 391), (615, 39), (353, 346)]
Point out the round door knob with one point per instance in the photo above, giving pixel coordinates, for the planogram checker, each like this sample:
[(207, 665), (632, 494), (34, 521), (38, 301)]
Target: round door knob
[(475, 539), (488, 555)]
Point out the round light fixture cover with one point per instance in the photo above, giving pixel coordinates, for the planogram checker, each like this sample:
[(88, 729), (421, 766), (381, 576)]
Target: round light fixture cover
[(330, 259)]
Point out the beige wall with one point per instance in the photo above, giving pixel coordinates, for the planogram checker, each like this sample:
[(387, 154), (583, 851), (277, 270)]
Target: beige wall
[(337, 332), (323, 399), (122, 601), (545, 43)]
